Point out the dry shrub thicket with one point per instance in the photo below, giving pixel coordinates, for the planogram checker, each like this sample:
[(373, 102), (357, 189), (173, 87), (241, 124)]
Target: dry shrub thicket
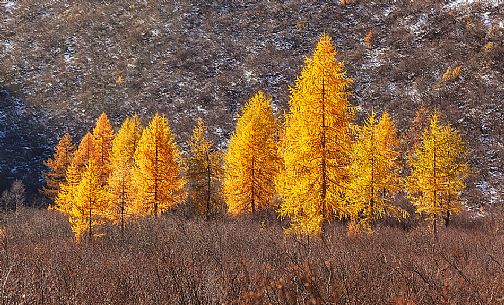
[(248, 260)]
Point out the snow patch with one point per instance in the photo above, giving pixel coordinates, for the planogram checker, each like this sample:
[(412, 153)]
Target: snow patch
[(8, 45), (387, 11), (201, 110), (460, 4), (248, 75), (375, 57), (417, 28), (9, 5), (486, 19), (489, 191)]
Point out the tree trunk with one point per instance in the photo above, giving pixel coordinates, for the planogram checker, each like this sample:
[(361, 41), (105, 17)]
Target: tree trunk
[(156, 176), (324, 157), (253, 203), (447, 219), (90, 225), (209, 186), (434, 227), (123, 203)]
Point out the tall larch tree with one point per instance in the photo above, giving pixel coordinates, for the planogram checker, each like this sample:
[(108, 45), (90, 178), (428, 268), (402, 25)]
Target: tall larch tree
[(374, 173), (251, 161), (90, 203), (58, 165), (157, 170), (438, 170), (65, 197), (120, 182), (85, 152), (204, 173), (316, 143), (103, 135)]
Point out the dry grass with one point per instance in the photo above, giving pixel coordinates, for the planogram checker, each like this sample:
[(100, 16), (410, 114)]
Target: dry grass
[(176, 260)]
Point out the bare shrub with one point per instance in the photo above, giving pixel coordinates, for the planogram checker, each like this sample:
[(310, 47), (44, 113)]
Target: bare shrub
[(246, 260)]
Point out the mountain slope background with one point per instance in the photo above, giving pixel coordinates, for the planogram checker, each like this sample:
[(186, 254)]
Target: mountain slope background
[(63, 63)]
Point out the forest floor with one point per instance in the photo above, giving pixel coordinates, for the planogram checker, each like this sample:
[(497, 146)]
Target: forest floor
[(249, 260)]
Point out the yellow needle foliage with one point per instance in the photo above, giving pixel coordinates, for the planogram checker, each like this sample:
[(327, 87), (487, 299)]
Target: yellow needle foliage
[(66, 194), (120, 182), (316, 143), (89, 205), (103, 135), (438, 170), (203, 173), (156, 174), (251, 162), (58, 165), (374, 173), (85, 151)]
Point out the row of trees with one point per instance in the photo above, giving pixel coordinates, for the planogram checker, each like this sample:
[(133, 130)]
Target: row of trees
[(316, 166)]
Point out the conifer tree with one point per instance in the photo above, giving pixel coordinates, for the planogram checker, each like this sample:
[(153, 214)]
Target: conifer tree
[(316, 143), (204, 173), (157, 173), (85, 152), (90, 203), (66, 194), (120, 182), (374, 173), (438, 170), (103, 135), (251, 161), (58, 165)]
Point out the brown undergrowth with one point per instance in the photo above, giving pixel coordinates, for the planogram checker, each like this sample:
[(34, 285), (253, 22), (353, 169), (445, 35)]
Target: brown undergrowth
[(248, 260)]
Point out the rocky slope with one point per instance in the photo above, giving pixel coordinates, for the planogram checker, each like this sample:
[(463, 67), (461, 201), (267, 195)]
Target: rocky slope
[(63, 62)]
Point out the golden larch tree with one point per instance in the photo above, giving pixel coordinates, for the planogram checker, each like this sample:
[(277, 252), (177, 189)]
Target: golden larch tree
[(120, 183), (85, 152), (103, 135), (411, 138), (316, 143), (374, 173), (66, 194), (58, 165), (438, 170), (157, 172), (251, 161), (90, 203), (203, 173)]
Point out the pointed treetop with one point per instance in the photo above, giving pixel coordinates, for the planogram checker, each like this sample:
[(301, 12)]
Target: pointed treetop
[(102, 122), (198, 143), (85, 151)]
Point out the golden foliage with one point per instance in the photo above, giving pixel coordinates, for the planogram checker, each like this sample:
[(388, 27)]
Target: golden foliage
[(489, 46), (368, 39), (120, 183), (438, 170), (89, 204), (85, 151), (119, 80), (157, 176), (204, 173), (374, 173), (251, 162), (451, 74), (66, 194), (316, 143), (103, 135), (58, 165)]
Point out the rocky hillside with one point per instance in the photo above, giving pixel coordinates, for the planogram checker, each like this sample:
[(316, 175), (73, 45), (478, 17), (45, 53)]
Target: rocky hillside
[(64, 62)]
